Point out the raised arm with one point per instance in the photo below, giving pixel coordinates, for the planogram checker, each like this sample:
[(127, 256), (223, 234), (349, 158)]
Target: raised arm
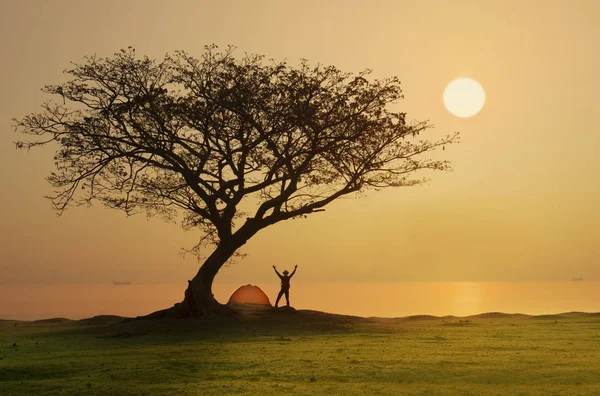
[(277, 272), (294, 271)]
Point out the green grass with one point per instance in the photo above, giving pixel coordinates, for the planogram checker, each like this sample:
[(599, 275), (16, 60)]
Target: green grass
[(304, 354)]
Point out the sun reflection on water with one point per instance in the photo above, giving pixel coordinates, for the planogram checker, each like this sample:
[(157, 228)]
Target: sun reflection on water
[(466, 298)]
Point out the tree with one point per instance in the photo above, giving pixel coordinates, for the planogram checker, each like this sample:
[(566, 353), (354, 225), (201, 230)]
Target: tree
[(192, 139)]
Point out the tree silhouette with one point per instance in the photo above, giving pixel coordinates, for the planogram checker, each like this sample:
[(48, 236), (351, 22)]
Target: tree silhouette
[(193, 139)]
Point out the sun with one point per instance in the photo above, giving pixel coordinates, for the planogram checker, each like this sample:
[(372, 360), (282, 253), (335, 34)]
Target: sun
[(464, 97)]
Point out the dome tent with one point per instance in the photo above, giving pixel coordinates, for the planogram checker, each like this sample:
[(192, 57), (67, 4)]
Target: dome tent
[(249, 294)]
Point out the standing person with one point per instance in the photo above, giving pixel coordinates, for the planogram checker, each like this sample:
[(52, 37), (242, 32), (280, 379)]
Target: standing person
[(285, 285)]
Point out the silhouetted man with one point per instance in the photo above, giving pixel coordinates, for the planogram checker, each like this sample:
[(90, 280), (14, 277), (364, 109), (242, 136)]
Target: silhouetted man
[(285, 285)]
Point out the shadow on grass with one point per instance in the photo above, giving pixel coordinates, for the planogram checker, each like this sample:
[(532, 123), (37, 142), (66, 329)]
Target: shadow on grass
[(278, 324)]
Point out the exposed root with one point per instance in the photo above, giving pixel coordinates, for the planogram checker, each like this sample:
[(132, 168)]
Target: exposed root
[(192, 307)]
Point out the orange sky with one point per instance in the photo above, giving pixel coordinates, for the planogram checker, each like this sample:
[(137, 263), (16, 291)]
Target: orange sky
[(520, 205)]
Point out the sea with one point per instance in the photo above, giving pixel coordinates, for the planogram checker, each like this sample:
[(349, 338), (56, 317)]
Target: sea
[(386, 299)]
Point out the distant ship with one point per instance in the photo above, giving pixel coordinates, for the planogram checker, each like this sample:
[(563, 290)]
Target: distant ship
[(577, 279), (121, 283)]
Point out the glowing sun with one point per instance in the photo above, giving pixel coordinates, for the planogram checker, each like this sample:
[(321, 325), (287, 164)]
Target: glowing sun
[(464, 97)]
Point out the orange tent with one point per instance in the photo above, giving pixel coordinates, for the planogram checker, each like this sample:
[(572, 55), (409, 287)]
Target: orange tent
[(249, 294)]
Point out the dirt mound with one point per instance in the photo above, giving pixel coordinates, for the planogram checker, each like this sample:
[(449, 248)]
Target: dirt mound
[(420, 317), (496, 315), (249, 294), (53, 320), (101, 320)]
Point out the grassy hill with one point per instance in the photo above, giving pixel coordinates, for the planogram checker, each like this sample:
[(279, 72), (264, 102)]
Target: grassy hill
[(303, 353)]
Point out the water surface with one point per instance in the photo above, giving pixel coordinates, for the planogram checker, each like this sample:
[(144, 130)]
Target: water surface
[(393, 299)]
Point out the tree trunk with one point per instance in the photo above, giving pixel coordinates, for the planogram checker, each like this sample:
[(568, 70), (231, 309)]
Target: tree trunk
[(198, 298)]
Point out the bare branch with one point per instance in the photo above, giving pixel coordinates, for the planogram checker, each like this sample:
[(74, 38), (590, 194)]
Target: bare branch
[(191, 139)]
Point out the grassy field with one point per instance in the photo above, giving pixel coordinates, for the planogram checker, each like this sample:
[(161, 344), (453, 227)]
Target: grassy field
[(304, 353)]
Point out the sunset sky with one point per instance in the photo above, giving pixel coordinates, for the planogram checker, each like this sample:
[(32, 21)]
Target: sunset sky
[(520, 205)]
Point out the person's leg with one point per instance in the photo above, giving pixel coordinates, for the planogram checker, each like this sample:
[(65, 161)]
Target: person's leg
[(278, 298), (287, 297)]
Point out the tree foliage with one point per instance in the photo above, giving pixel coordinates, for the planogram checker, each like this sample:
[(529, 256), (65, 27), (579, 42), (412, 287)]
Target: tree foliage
[(198, 136)]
